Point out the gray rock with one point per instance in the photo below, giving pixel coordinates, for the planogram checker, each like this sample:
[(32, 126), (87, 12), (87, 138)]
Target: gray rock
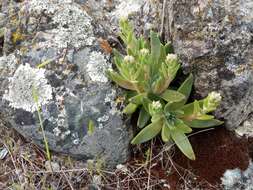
[(145, 15), (235, 179), (214, 41), (57, 64)]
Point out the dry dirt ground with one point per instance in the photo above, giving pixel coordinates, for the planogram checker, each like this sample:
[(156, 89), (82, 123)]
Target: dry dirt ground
[(23, 165)]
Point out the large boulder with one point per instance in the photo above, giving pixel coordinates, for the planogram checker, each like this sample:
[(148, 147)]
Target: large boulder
[(51, 51), (214, 40)]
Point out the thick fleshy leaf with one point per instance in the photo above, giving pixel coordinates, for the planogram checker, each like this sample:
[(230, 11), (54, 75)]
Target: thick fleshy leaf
[(197, 108), (118, 58), (141, 43), (130, 108), (143, 118), (155, 46), (163, 53), (172, 96), (138, 99), (177, 113), (172, 71), (157, 117), (127, 34), (182, 142), (165, 133), (157, 85), (145, 103), (147, 133), (139, 73), (155, 55), (173, 68), (188, 109), (205, 117), (186, 88), (203, 123), (120, 80), (179, 124)]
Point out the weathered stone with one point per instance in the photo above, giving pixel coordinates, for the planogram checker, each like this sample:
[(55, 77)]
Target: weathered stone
[(237, 179), (214, 40), (57, 64), (145, 15)]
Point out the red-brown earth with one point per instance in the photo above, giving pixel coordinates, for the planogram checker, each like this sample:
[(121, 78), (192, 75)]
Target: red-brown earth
[(216, 151)]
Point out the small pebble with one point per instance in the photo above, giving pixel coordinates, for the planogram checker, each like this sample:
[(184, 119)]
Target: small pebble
[(55, 166)]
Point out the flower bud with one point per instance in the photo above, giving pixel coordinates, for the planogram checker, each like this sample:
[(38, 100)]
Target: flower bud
[(211, 102), (144, 51), (171, 57), (129, 59)]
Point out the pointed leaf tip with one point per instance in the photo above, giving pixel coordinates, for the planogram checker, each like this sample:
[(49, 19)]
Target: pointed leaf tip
[(183, 143)]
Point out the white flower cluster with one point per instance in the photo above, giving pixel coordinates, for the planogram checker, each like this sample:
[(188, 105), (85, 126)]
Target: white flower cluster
[(211, 102), (156, 105), (144, 51), (214, 97), (129, 59), (171, 57)]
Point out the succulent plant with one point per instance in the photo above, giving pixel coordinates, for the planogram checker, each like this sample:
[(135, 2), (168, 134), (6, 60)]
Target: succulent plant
[(147, 71)]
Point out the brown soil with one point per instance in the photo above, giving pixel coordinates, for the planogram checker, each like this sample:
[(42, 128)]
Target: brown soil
[(216, 151)]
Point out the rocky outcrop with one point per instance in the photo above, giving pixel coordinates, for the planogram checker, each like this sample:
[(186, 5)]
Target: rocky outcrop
[(215, 41), (52, 58), (54, 47)]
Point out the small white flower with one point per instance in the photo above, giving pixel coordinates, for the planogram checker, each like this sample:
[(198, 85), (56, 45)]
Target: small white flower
[(156, 105), (215, 97), (129, 59), (144, 51), (171, 57)]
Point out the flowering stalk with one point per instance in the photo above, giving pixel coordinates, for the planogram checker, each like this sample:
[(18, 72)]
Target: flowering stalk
[(211, 102)]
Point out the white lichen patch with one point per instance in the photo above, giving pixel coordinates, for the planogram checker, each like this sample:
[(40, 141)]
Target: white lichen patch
[(246, 129), (57, 131), (238, 179), (22, 85), (48, 6), (110, 98), (72, 24), (128, 7), (103, 118), (8, 65), (231, 177), (97, 67), (240, 8), (74, 27), (65, 134)]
